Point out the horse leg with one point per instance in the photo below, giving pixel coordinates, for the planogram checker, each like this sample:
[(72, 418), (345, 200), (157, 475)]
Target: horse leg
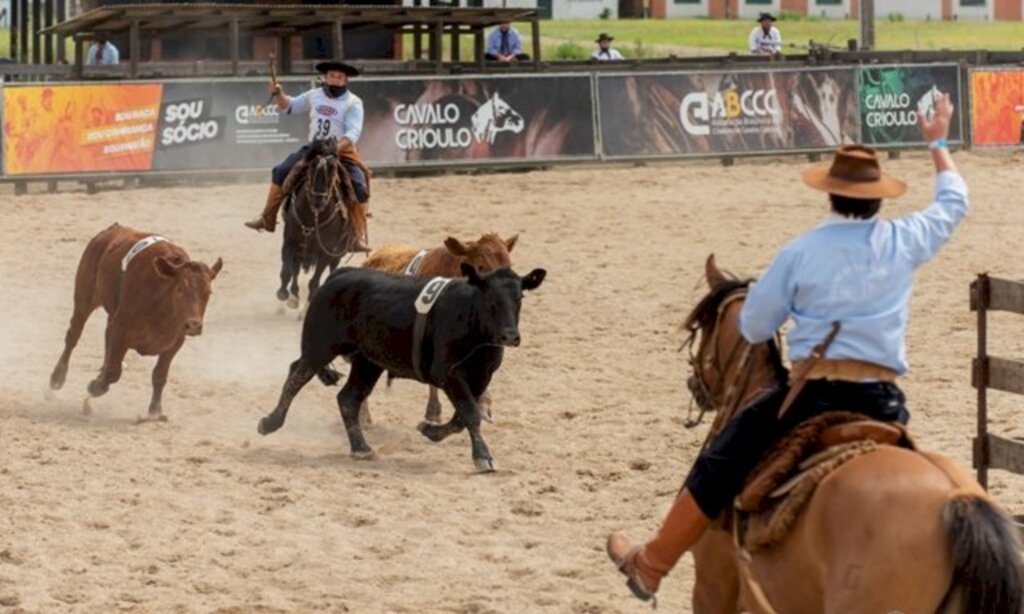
[(433, 411), (314, 281), (469, 412), (362, 377), (293, 299), (286, 271), (299, 374), (163, 365), (83, 310)]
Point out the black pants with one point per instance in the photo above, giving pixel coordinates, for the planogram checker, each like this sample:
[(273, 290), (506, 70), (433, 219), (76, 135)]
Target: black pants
[(722, 468)]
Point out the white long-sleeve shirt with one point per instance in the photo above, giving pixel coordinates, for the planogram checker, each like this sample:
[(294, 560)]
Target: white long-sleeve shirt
[(765, 43)]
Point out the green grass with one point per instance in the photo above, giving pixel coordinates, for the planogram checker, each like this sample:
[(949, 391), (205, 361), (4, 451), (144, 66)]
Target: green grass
[(573, 39)]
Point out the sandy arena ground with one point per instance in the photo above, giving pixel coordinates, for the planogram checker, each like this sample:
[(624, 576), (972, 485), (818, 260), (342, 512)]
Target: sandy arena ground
[(203, 514)]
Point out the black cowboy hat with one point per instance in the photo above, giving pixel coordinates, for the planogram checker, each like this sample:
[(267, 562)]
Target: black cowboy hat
[(767, 16), (328, 65), (604, 36)]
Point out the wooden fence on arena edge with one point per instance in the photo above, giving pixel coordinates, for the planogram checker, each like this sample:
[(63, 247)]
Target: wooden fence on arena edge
[(993, 451)]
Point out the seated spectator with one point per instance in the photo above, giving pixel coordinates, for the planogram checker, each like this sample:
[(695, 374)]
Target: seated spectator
[(604, 52), (102, 53), (765, 39), (504, 44)]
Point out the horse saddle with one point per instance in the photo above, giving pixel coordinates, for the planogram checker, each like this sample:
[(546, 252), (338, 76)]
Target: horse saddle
[(786, 477)]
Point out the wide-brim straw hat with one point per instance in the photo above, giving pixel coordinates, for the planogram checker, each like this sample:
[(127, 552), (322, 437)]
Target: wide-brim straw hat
[(328, 65), (855, 173)]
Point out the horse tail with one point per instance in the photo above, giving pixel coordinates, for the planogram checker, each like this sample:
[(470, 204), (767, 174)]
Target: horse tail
[(988, 571)]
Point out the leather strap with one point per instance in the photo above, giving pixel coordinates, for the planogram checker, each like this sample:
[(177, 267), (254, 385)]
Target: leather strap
[(800, 378)]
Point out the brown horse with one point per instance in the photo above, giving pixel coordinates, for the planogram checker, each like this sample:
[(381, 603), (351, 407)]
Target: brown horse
[(486, 254), (893, 530)]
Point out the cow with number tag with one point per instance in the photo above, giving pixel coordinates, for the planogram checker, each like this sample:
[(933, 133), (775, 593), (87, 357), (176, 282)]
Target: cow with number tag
[(450, 333)]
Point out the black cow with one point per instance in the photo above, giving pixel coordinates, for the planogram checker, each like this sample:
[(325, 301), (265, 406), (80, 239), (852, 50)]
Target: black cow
[(369, 318)]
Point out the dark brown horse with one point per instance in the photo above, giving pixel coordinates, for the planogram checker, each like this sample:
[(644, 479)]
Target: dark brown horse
[(893, 530), (317, 228)]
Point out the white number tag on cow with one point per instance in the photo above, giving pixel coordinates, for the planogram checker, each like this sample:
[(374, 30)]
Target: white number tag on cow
[(417, 262), (138, 248), (428, 296)]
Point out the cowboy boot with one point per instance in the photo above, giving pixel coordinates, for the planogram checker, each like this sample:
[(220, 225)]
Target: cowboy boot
[(268, 219), (644, 566)]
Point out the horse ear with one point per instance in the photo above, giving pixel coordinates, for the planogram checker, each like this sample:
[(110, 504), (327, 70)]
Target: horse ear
[(511, 242), (216, 267), (533, 279), (469, 272), (713, 274), (166, 268), (456, 247)]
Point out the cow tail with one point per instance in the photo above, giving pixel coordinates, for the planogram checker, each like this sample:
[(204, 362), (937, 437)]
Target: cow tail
[(988, 571)]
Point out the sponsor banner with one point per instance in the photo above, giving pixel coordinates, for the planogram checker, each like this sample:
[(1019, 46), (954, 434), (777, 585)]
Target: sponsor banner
[(710, 113), (997, 107), (79, 128), (475, 119), (2, 128), (892, 96), (224, 125)]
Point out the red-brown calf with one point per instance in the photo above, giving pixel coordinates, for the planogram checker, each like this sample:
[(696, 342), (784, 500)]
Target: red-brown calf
[(153, 297)]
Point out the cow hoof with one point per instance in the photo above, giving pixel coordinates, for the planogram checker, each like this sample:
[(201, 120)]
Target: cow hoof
[(87, 406), (292, 302), (57, 379), (97, 389), (282, 295), (430, 431), (151, 418), (365, 456), (484, 465), (266, 427)]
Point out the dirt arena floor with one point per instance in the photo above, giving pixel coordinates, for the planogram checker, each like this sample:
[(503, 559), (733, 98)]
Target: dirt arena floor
[(201, 513)]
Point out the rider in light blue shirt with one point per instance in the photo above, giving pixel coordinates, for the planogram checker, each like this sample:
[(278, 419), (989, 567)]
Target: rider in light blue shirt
[(855, 269)]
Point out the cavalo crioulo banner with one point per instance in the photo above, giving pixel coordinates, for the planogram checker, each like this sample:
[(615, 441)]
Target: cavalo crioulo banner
[(997, 107), (891, 97), (68, 129)]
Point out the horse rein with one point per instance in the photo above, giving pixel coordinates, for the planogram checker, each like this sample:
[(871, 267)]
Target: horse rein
[(333, 196)]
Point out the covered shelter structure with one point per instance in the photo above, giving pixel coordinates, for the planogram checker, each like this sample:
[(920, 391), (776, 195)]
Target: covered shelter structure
[(428, 25)]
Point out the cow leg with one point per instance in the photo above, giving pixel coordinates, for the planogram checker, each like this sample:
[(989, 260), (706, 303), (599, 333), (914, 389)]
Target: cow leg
[(439, 432), (365, 419), (299, 374), (470, 414), (113, 359), (78, 319), (433, 411), (362, 377), (163, 365)]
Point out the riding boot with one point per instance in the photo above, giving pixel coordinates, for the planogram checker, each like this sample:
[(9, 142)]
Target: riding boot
[(268, 219), (644, 566), (357, 217)]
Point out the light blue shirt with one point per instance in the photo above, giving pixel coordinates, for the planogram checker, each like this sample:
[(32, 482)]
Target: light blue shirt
[(859, 272), (109, 55), (515, 42)]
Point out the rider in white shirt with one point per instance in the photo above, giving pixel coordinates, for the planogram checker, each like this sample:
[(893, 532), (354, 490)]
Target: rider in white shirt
[(765, 38), (604, 52), (334, 112)]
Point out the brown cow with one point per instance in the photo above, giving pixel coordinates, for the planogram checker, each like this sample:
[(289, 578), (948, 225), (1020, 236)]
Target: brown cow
[(487, 253), (153, 299)]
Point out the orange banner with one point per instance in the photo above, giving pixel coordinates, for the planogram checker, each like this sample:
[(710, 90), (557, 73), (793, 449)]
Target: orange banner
[(997, 107), (76, 128)]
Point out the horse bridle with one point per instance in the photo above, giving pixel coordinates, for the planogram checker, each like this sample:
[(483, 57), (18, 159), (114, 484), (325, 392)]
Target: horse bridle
[(332, 195), (728, 390)]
